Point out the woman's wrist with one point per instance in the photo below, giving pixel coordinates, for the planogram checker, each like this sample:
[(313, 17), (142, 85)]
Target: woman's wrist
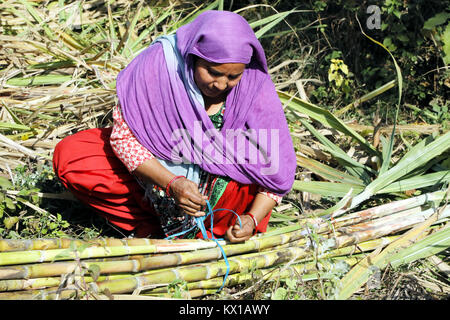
[(260, 208), (153, 172), (169, 184), (255, 222)]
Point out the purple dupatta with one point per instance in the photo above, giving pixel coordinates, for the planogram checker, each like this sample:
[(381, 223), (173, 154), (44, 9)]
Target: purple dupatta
[(254, 144)]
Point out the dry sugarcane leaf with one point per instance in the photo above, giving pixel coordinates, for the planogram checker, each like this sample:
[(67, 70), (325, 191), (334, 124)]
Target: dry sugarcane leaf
[(360, 273)]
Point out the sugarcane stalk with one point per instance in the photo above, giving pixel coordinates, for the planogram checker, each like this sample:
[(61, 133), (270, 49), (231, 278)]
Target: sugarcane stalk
[(31, 256), (303, 271), (40, 283), (22, 284), (322, 225), (303, 265), (152, 262), (366, 97), (237, 264), (385, 229), (197, 273), (37, 283), (383, 210), (42, 294), (21, 257), (400, 221), (260, 260), (46, 270), (281, 272), (194, 293), (65, 243), (359, 274), (385, 220), (66, 294), (187, 273)]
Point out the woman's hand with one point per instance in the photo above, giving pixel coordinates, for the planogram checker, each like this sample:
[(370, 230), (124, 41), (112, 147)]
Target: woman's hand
[(184, 191), (187, 197), (237, 234)]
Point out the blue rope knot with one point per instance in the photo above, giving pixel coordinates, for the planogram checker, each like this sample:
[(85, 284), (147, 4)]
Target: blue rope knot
[(201, 225)]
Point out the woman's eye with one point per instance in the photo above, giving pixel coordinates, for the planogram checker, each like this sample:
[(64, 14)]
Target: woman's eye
[(213, 73)]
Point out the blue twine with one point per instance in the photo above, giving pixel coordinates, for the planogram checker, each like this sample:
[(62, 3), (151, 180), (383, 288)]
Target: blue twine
[(199, 221)]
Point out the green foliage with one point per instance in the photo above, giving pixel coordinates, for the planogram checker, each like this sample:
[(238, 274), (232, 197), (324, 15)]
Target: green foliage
[(338, 76), (291, 290), (413, 33), (416, 32), (446, 40), (178, 289), (440, 109), (327, 272), (24, 213)]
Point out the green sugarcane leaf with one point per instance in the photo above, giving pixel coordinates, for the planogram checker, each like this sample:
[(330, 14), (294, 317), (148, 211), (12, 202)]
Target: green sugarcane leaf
[(341, 205), (361, 272), (53, 65), (328, 172), (13, 115), (417, 182), (191, 16), (10, 222), (130, 30), (325, 117), (62, 11), (38, 19), (5, 183), (112, 28), (266, 20), (271, 21), (352, 166), (331, 189), (387, 157), (430, 245), (39, 80), (419, 155), (220, 5), (366, 97), (386, 154), (137, 45), (13, 126)]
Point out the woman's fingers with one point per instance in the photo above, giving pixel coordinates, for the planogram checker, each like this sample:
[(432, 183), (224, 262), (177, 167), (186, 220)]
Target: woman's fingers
[(187, 197), (237, 234), (190, 211), (233, 238)]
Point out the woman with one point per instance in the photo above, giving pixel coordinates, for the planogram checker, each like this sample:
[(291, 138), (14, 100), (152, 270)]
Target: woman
[(198, 119)]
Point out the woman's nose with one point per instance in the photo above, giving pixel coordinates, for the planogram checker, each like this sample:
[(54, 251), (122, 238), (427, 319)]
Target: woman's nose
[(221, 84)]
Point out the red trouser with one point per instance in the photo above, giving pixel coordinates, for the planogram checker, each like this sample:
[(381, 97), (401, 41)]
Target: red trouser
[(87, 166)]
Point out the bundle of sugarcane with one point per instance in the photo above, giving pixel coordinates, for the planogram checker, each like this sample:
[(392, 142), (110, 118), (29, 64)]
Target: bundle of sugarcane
[(69, 268)]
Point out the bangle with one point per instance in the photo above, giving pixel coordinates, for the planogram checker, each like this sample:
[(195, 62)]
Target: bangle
[(170, 182), (254, 221)]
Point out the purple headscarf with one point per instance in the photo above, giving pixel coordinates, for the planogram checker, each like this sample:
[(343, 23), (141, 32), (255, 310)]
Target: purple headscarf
[(254, 143)]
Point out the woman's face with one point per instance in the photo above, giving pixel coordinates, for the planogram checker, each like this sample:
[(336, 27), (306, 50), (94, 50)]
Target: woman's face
[(214, 79)]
